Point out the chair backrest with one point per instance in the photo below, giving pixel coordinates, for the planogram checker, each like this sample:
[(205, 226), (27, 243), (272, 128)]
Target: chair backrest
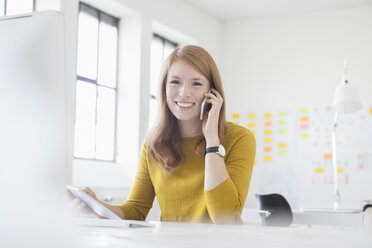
[(276, 208)]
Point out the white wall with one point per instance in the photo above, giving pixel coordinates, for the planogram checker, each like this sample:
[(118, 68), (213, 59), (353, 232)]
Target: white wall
[(295, 61)]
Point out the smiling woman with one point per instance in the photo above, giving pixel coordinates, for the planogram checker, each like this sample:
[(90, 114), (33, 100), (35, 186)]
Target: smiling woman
[(199, 170)]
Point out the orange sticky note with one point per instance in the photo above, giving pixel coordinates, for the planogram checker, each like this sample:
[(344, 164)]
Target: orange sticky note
[(328, 156), (267, 158), (268, 131), (235, 116), (282, 145), (267, 140), (304, 119), (268, 123), (267, 115), (268, 148), (251, 116), (319, 170), (251, 124)]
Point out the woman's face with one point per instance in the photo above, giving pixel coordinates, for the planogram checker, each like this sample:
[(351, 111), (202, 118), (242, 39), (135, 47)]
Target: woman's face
[(185, 88)]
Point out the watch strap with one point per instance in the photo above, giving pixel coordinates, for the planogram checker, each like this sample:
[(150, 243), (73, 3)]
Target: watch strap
[(211, 149)]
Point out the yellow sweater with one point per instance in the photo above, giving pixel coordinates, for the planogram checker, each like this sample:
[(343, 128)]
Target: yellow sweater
[(181, 195)]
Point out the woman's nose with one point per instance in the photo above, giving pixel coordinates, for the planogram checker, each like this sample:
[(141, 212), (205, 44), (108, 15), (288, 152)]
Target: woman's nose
[(184, 91)]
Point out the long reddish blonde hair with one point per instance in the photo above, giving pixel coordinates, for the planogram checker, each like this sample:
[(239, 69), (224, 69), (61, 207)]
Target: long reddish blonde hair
[(163, 141)]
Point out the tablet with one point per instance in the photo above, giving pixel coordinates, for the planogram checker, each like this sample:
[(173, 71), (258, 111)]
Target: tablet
[(92, 203)]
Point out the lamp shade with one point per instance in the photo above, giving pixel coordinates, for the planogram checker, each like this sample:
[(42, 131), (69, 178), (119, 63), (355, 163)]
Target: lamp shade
[(346, 99)]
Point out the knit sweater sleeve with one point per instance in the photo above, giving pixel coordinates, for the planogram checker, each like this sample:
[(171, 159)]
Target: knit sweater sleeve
[(226, 201), (142, 194)]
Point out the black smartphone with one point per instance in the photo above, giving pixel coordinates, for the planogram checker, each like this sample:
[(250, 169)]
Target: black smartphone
[(205, 106)]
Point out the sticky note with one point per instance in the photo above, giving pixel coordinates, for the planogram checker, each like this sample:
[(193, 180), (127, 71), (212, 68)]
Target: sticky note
[(251, 124), (304, 119), (268, 148), (267, 115), (268, 158), (253, 132), (319, 170), (304, 135), (282, 131), (282, 145), (255, 162), (268, 123), (304, 110), (268, 131), (340, 170), (370, 111), (251, 116), (346, 179), (282, 122), (267, 140), (282, 152), (304, 127), (282, 114), (235, 116), (328, 156)]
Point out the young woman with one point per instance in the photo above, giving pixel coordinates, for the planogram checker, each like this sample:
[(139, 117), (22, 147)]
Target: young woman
[(199, 170)]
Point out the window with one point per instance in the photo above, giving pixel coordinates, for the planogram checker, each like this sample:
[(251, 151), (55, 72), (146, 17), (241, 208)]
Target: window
[(160, 50), (96, 86), (16, 7)]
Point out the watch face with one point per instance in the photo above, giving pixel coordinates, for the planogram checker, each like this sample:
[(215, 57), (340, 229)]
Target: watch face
[(221, 150)]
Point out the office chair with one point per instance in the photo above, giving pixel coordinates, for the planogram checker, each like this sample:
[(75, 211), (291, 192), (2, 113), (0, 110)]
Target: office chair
[(274, 210)]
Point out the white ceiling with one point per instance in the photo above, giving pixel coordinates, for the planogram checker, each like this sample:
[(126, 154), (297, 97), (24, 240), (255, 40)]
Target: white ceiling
[(237, 9)]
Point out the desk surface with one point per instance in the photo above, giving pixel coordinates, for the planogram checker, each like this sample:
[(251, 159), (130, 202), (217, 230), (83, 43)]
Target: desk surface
[(166, 234)]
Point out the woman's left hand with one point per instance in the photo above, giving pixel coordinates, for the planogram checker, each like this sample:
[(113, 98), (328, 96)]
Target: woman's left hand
[(210, 121)]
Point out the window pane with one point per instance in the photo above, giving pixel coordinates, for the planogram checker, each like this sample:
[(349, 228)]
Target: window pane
[(85, 119), (2, 2), (156, 63), (14, 7), (108, 38), (87, 45), (153, 112), (168, 48), (105, 130)]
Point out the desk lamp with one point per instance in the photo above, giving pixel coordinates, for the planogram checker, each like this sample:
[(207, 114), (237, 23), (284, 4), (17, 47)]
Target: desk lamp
[(345, 100)]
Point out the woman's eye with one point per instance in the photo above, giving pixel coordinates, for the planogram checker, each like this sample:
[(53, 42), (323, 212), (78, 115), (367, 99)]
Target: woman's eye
[(174, 82), (197, 84)]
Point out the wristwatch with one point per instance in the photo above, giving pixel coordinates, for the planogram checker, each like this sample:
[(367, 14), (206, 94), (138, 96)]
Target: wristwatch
[(220, 150)]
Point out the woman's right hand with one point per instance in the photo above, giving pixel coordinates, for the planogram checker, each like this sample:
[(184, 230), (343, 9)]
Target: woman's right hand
[(79, 206)]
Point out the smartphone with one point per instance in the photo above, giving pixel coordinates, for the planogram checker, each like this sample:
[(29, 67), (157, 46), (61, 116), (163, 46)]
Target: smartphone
[(205, 106)]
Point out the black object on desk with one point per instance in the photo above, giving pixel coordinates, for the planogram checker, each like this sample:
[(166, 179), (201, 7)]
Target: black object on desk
[(274, 210)]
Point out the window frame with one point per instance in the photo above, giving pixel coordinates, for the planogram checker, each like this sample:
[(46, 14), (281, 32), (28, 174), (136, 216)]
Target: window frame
[(5, 7), (115, 22)]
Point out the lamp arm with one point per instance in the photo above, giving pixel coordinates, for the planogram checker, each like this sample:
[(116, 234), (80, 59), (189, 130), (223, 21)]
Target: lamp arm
[(337, 201)]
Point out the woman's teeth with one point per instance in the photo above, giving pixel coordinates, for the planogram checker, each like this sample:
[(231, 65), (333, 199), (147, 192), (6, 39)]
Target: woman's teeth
[(184, 105)]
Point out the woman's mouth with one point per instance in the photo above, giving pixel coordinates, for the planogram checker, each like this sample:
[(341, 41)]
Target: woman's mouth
[(185, 105)]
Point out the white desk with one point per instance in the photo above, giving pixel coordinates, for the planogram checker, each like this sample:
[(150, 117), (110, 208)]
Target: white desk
[(177, 235)]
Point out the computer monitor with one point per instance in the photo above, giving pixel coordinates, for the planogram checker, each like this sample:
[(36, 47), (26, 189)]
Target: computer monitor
[(33, 120)]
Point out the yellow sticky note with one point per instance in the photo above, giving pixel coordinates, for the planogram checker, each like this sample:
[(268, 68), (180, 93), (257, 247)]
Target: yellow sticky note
[(370, 111), (253, 132), (340, 170), (282, 145), (267, 140), (267, 115), (282, 114), (255, 162), (251, 124), (268, 131), (268, 158), (235, 116), (319, 170), (251, 116)]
